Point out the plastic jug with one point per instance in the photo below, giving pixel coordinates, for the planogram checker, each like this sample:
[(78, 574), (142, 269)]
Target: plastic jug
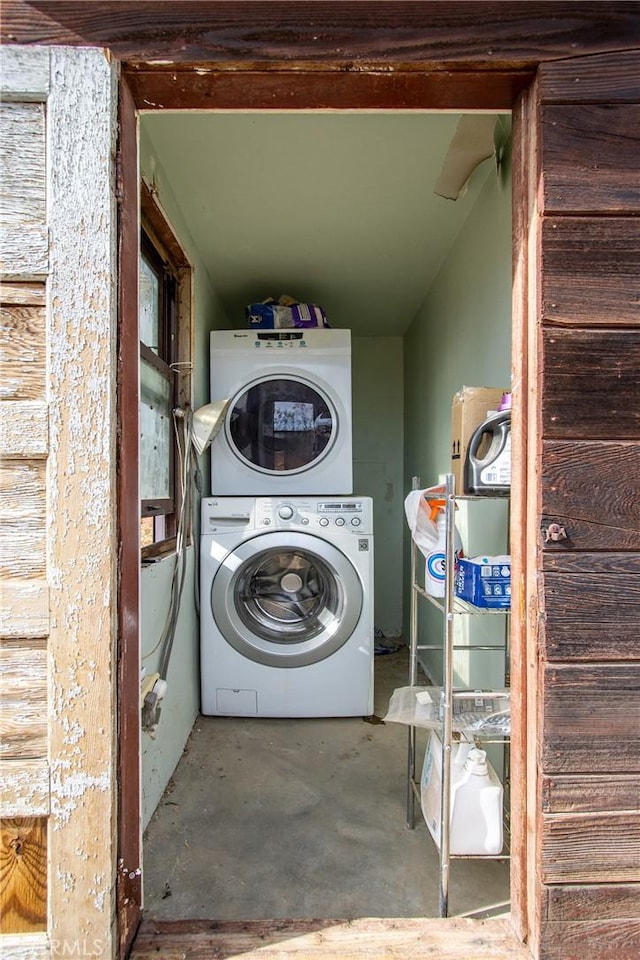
[(476, 808), (475, 799), (431, 779), (488, 464), (436, 563)]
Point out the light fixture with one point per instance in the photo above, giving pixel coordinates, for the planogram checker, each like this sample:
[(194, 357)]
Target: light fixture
[(206, 424), (473, 142)]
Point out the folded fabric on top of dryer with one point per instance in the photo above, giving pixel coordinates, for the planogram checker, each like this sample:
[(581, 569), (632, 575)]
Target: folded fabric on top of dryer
[(285, 313)]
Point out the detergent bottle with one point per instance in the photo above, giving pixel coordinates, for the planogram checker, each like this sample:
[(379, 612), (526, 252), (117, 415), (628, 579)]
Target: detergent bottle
[(488, 462), (435, 570)]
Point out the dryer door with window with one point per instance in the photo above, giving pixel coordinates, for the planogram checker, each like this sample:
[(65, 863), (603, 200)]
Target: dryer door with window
[(281, 425), (286, 599)]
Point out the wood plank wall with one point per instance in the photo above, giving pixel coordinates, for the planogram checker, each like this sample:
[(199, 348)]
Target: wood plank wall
[(588, 862), (58, 558), (24, 609)]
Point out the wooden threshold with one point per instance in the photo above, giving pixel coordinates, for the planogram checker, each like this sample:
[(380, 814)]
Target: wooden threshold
[(362, 939)]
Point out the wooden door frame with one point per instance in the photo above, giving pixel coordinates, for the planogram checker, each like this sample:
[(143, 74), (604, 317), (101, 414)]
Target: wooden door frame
[(129, 841), (230, 88)]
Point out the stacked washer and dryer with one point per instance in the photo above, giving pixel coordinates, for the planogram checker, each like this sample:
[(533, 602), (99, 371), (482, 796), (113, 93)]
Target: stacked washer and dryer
[(286, 549)]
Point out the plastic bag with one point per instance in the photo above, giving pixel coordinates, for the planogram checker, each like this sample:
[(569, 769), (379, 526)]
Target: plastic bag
[(417, 510), (426, 519), (284, 313), (476, 712)]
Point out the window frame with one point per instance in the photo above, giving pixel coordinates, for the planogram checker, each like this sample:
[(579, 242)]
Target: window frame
[(164, 254)]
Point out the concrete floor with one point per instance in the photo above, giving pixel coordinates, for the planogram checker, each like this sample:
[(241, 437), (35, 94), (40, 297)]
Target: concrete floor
[(267, 819)]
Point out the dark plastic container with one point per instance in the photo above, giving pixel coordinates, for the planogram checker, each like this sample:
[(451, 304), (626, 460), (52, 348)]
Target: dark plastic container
[(487, 468)]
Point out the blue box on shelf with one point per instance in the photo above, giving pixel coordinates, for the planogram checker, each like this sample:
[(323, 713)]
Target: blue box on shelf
[(484, 581)]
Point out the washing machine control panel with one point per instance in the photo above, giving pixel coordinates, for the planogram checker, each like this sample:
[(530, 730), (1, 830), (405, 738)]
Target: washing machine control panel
[(324, 514), (319, 513), (343, 513)]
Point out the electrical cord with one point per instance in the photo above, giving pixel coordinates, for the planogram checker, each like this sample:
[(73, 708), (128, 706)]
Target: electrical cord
[(195, 540), (184, 526), (190, 475)]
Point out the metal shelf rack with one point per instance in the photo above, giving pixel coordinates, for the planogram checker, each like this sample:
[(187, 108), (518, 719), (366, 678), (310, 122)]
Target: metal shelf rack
[(451, 607)]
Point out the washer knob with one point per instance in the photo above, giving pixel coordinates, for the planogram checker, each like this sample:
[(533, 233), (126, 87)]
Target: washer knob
[(339, 521), (323, 522), (285, 512), (356, 521)]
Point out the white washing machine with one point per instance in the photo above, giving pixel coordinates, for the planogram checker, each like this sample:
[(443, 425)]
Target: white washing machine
[(287, 429), (286, 620)]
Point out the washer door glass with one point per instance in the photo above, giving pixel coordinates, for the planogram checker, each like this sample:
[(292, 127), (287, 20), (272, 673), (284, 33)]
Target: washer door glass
[(286, 599), (281, 425)]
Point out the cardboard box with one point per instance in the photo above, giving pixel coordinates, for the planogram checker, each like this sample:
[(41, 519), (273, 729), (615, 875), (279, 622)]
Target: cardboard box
[(470, 408), (484, 581)]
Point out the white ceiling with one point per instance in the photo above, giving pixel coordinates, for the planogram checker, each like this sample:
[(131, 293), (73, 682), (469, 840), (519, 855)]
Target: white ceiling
[(335, 209)]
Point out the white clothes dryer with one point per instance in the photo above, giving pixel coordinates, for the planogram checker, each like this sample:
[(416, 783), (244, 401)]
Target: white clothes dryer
[(287, 429), (286, 620)]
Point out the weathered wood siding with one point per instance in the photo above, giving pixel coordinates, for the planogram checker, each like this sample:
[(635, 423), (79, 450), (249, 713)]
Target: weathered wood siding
[(351, 32), (588, 672), (57, 503), (359, 939), (23, 866), (24, 444)]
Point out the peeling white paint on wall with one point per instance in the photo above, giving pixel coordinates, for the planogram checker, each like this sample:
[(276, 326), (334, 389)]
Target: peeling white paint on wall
[(99, 892), (81, 491), (66, 880), (25, 788), (73, 731), (69, 789)]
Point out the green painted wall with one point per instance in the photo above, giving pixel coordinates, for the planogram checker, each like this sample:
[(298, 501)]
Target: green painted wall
[(462, 336), (378, 442)]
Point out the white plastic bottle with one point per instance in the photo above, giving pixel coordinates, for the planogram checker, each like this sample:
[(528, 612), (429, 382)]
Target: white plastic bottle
[(476, 808), (435, 567)]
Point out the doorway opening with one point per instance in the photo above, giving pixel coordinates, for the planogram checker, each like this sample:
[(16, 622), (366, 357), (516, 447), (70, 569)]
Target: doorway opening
[(337, 210)]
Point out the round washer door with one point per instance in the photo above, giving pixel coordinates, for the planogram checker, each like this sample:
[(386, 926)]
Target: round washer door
[(286, 599), (281, 424)]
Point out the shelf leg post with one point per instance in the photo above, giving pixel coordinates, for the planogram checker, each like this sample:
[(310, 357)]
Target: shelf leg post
[(413, 679), (447, 699)]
